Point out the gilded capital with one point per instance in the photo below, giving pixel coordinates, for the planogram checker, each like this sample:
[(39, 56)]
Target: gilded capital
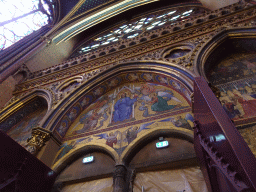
[(37, 140)]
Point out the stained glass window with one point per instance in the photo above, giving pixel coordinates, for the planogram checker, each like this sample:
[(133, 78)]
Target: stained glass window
[(138, 26), (20, 18)]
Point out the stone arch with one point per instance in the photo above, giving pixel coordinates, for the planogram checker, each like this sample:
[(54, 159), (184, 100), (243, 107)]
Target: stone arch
[(176, 48), (157, 132), (90, 147), (22, 116), (184, 76), (18, 103), (68, 82), (216, 42)]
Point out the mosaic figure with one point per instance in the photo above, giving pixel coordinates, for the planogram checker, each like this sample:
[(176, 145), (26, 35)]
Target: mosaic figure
[(22, 131), (62, 128), (91, 118), (234, 67), (123, 108), (179, 121), (160, 104), (132, 132), (85, 101), (65, 147), (111, 138), (128, 103)]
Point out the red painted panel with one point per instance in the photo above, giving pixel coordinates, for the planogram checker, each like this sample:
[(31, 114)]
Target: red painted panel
[(226, 160)]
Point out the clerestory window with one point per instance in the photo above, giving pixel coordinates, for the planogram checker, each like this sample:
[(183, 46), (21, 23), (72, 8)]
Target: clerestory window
[(137, 26), (20, 18)]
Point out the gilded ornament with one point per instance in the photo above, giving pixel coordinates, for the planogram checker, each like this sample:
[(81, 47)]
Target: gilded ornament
[(38, 139)]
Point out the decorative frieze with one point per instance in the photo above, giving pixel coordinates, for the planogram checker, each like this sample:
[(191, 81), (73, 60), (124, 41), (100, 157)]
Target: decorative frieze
[(196, 34)]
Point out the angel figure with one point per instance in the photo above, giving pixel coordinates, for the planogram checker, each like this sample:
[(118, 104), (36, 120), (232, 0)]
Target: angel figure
[(132, 132), (181, 122), (111, 138), (65, 148), (159, 102)]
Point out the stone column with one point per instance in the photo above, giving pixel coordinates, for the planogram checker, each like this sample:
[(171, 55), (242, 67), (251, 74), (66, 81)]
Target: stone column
[(119, 178)]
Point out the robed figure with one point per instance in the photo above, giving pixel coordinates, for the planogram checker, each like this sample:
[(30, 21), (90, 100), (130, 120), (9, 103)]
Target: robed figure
[(123, 108)]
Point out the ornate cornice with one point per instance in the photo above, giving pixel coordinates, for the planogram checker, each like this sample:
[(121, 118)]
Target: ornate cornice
[(197, 35)]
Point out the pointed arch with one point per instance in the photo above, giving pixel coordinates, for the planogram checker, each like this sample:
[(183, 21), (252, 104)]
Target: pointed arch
[(67, 82), (17, 104), (183, 76), (216, 42)]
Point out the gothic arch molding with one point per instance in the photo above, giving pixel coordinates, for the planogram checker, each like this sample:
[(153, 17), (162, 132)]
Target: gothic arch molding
[(182, 76), (128, 153), (215, 42), (18, 103), (90, 147), (68, 81)]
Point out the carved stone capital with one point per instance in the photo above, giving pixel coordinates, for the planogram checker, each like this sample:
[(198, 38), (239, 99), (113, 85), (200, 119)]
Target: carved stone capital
[(38, 139), (120, 171)]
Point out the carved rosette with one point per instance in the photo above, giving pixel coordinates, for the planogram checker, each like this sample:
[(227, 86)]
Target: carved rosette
[(38, 139)]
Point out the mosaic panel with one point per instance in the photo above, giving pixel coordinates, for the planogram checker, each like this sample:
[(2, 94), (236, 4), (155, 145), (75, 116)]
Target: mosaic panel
[(22, 131), (235, 76), (136, 94), (126, 112), (232, 68), (120, 138), (249, 135)]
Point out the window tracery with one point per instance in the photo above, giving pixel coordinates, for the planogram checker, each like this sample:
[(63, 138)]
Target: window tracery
[(138, 26), (20, 18)]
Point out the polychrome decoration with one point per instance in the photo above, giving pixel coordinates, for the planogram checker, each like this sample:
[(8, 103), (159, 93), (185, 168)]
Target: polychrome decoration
[(22, 131), (154, 95), (126, 112), (235, 67), (236, 80), (128, 104)]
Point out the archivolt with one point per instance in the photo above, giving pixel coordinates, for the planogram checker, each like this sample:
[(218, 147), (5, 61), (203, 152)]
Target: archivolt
[(215, 42), (180, 74), (21, 102)]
